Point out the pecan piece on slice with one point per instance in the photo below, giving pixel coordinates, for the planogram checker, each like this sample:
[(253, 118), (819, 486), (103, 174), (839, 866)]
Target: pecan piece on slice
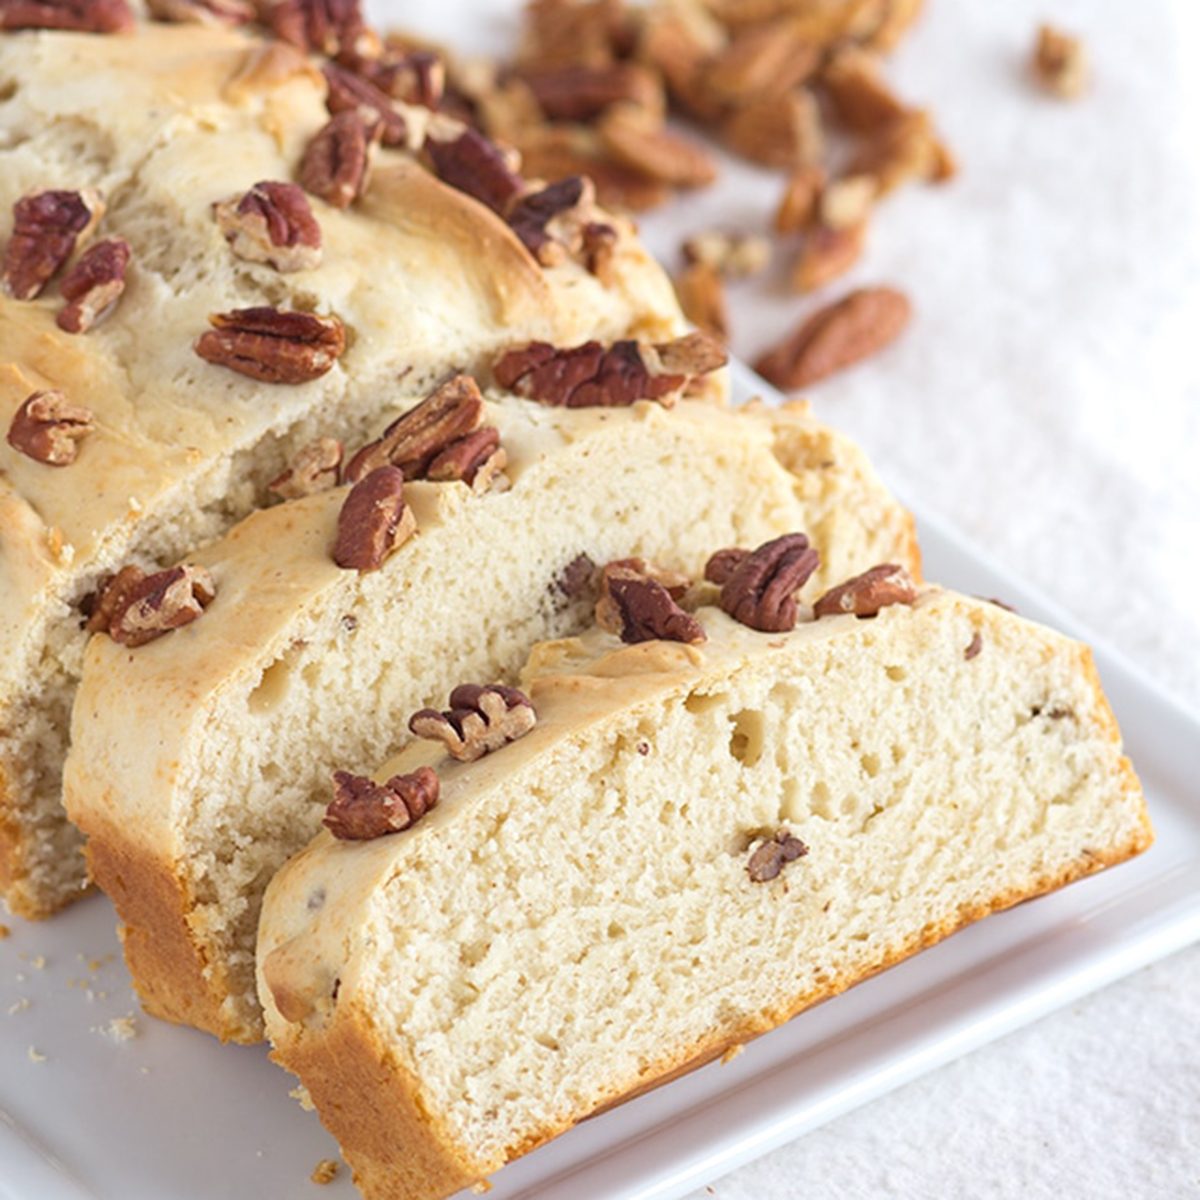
[(271, 223), (866, 594), (373, 522), (542, 219), (136, 608), (575, 579), (476, 460), (761, 589), (608, 613), (79, 16), (1060, 63), (478, 721), (48, 429), (349, 92), (640, 141), (466, 160), (599, 251), (325, 26), (417, 437), (720, 567), (770, 858), (336, 162), (93, 285), (837, 336), (411, 76), (47, 226), (273, 346), (362, 809), (647, 611), (314, 468), (202, 12)]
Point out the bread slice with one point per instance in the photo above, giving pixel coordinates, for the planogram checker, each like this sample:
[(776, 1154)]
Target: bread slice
[(164, 123), (200, 762), (693, 844)]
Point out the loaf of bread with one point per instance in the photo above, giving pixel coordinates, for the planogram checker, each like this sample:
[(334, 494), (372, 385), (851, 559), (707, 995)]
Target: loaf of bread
[(201, 761), (693, 843), (138, 136)]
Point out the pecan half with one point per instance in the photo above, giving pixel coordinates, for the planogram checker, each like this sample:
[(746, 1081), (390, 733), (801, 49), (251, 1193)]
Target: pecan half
[(861, 97), (581, 93), (326, 26), (827, 254), (313, 469), (273, 346), (272, 223), (770, 858), (763, 62), (48, 429), (866, 594), (1060, 63), (81, 16), (349, 92), (761, 589), (362, 809), (648, 612), (47, 226), (608, 614), (720, 567), (202, 12), (478, 721), (416, 438), (135, 608), (906, 148), (336, 162), (466, 160), (93, 285), (532, 214), (777, 131), (837, 336), (476, 460), (640, 141), (798, 206), (373, 522)]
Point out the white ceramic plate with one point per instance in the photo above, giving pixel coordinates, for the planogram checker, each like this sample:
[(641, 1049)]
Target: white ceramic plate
[(168, 1113)]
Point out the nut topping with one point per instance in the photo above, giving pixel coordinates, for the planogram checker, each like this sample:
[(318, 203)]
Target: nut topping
[(646, 611), (478, 721), (466, 160), (373, 522), (362, 809), (476, 460), (720, 567), (770, 858), (1060, 63), (337, 161), (324, 26), (313, 469), (608, 613), (837, 336), (202, 12), (47, 226), (135, 608), (575, 579), (761, 589), (81, 16), (415, 77), (827, 253), (272, 223), (349, 92), (533, 214), (866, 594), (93, 285), (273, 346), (48, 429)]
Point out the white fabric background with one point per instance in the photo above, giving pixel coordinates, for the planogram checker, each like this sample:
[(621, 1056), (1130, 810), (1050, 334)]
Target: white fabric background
[(1047, 400)]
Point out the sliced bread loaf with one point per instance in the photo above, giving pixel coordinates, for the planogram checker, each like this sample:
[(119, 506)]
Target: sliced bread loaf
[(692, 844)]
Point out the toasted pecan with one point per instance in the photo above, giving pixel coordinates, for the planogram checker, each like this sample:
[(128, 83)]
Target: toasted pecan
[(479, 720), (760, 589), (373, 522), (93, 285), (47, 228), (864, 595), (48, 429), (362, 809), (272, 345), (271, 222)]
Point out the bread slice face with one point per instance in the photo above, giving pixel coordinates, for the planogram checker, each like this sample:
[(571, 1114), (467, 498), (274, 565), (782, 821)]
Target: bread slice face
[(200, 762), (164, 123), (578, 919)]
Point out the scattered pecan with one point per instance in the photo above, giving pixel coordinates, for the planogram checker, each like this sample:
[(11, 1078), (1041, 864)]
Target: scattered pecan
[(326, 26), (866, 594), (93, 285), (798, 205), (48, 429), (273, 346), (349, 92), (904, 149), (314, 468), (640, 608), (974, 646), (777, 132), (202, 12), (1060, 63), (587, 34), (721, 565), (770, 858), (837, 336), (466, 160), (702, 297), (760, 591), (135, 608), (734, 255), (579, 93), (640, 141), (47, 226), (476, 460), (861, 98), (362, 809), (827, 254), (608, 614), (478, 721), (575, 579), (81, 16), (272, 223), (373, 522), (417, 437), (337, 161), (763, 63)]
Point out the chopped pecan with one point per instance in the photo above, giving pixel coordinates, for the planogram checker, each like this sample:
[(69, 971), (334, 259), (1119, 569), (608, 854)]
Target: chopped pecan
[(798, 206), (575, 579), (1060, 63), (135, 608), (761, 589), (721, 565), (417, 437), (314, 468), (48, 429), (691, 355), (681, 42), (47, 226), (272, 223), (607, 613), (763, 62), (81, 16), (532, 216), (780, 131), (866, 594), (337, 161), (202, 12), (906, 148), (362, 809), (837, 336), (599, 250), (974, 646), (373, 522), (576, 93), (639, 603), (640, 141), (411, 76), (734, 255), (326, 26), (861, 97), (93, 285), (349, 92), (770, 858), (591, 33), (702, 297), (478, 721), (466, 160), (273, 346), (109, 597), (827, 254), (476, 460)]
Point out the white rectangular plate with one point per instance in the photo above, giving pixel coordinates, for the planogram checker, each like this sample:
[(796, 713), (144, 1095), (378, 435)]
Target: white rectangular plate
[(171, 1114)]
